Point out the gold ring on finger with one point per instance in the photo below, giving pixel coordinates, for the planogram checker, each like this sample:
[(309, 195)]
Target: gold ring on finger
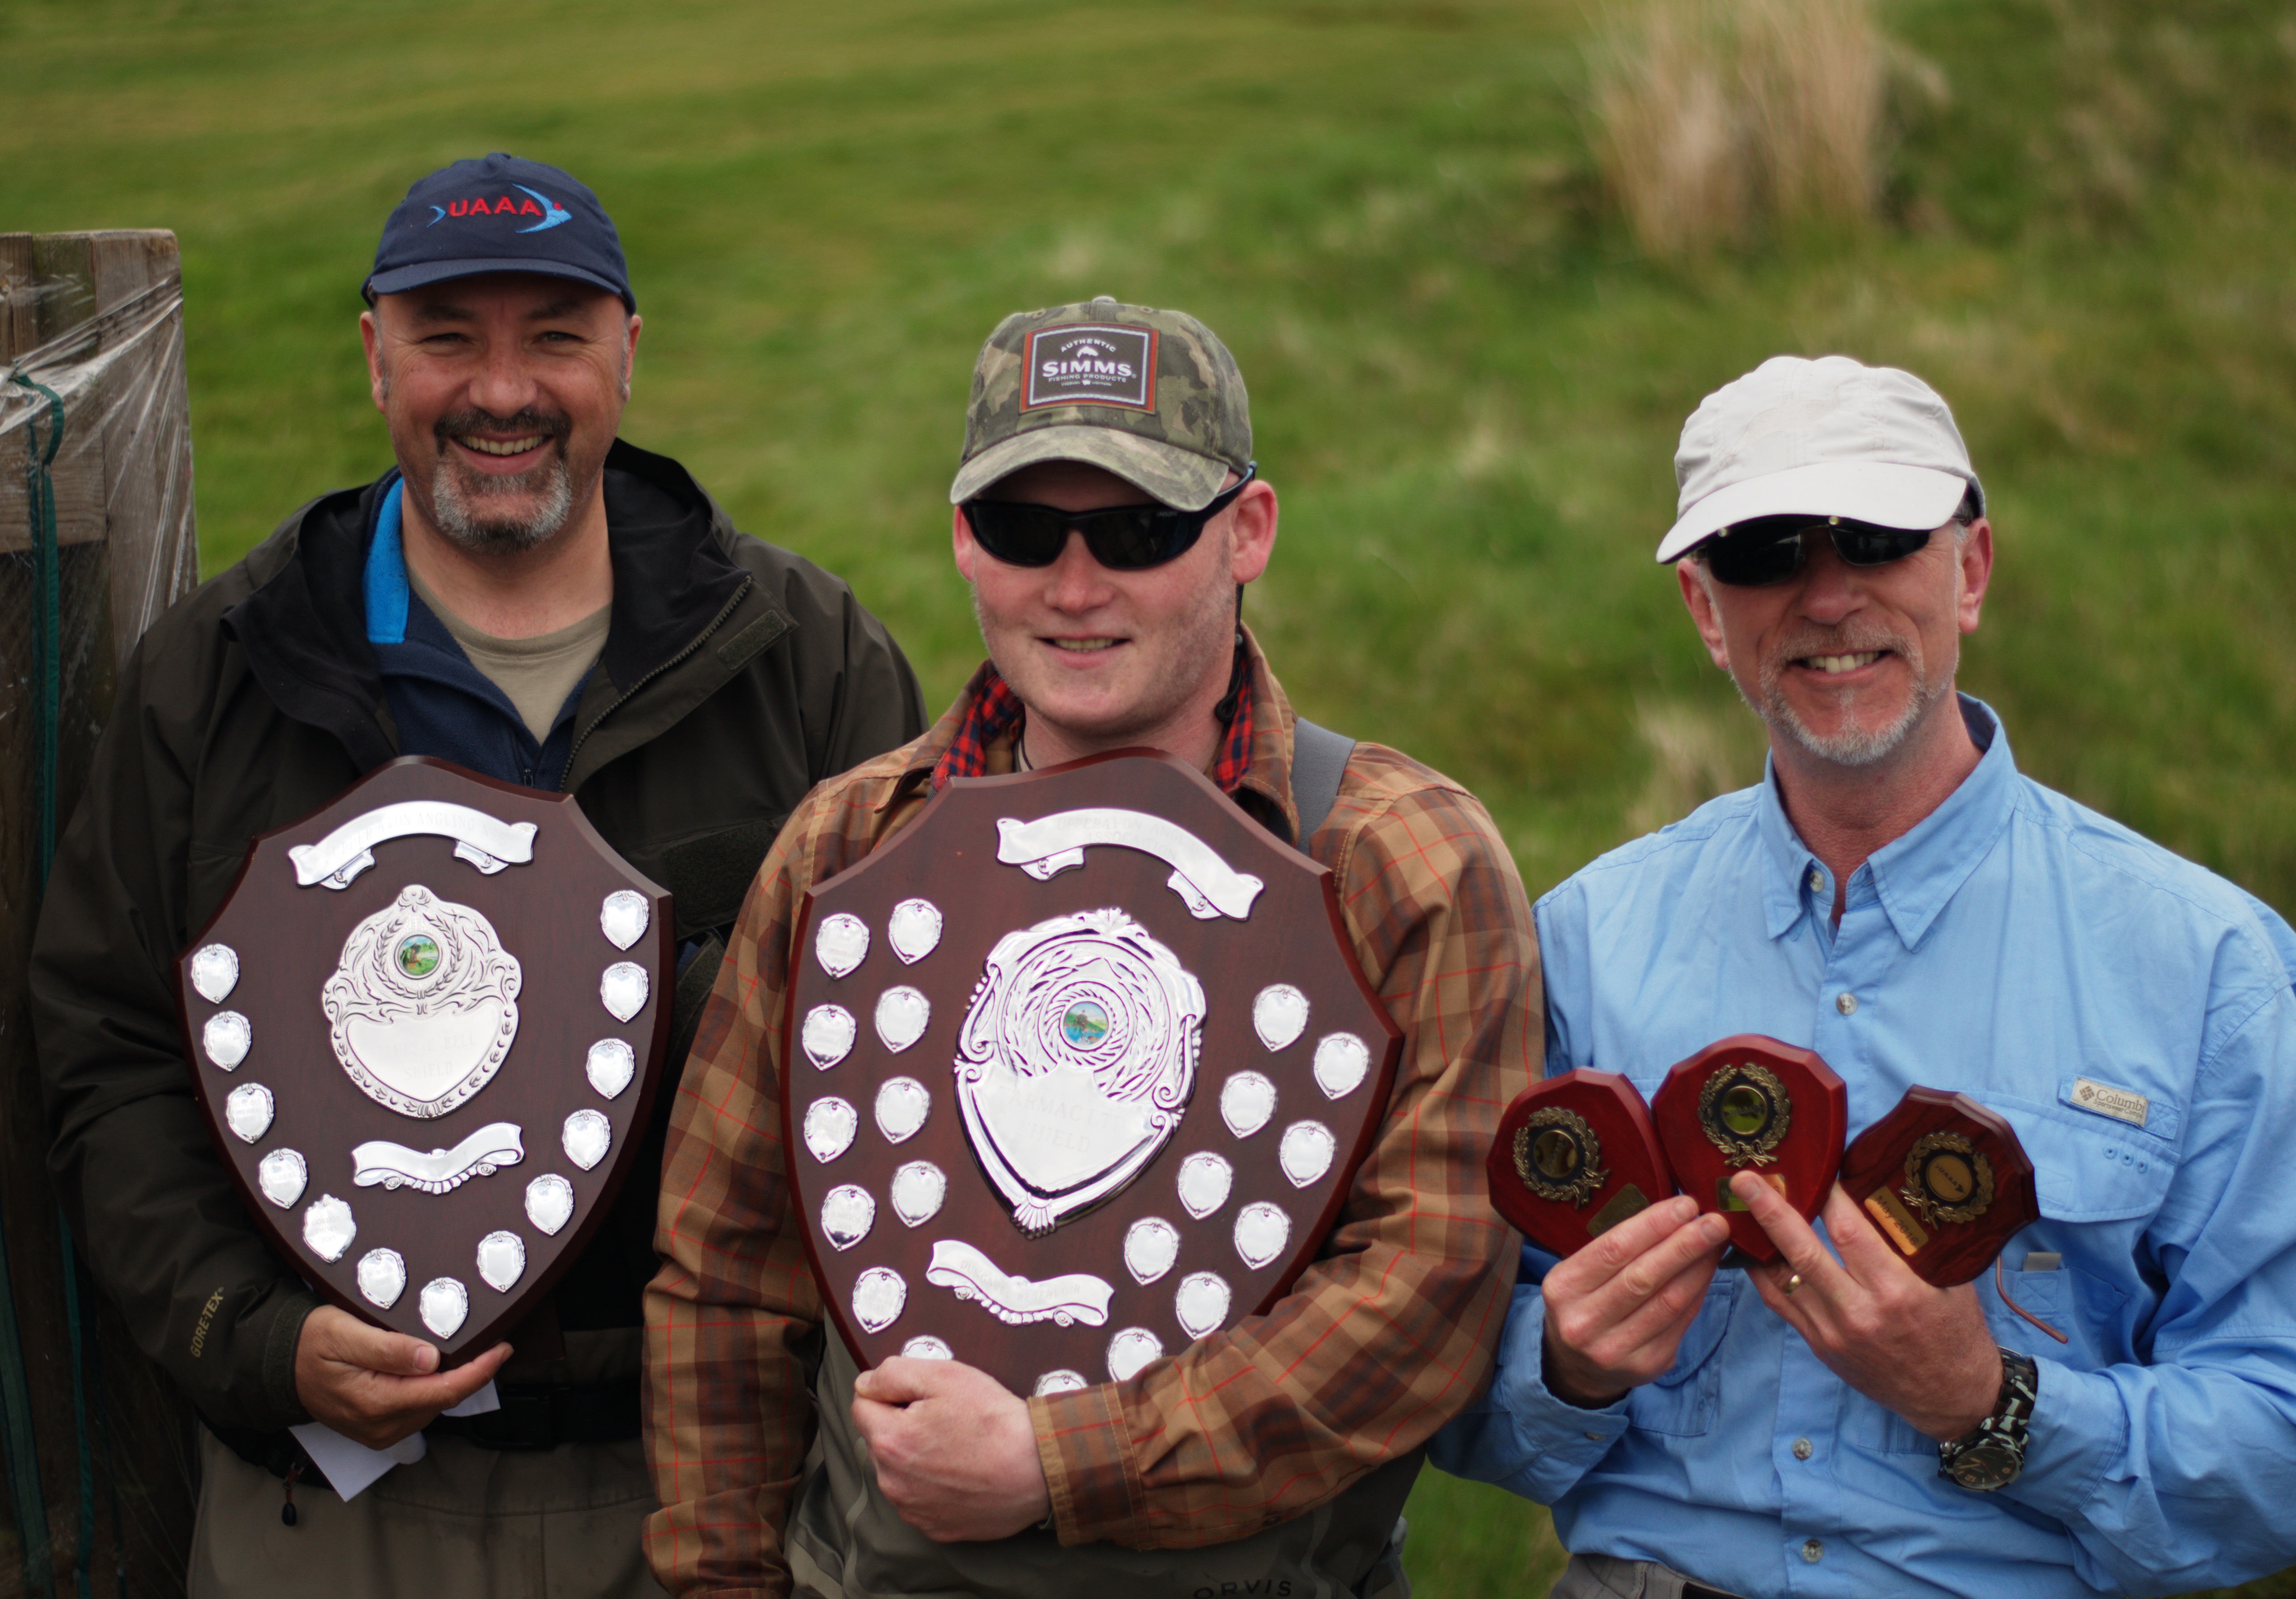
[(1790, 1283)]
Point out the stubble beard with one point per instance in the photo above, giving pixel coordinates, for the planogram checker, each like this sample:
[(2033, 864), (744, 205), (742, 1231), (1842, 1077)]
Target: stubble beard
[(1855, 747)]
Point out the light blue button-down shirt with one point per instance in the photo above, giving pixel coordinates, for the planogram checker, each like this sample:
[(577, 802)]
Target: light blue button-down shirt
[(2011, 946)]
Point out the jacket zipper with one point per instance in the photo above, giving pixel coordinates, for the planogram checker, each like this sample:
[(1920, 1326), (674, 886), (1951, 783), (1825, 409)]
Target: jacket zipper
[(698, 639)]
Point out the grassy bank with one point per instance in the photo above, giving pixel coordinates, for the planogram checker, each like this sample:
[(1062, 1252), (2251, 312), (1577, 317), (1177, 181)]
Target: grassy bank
[(1466, 382)]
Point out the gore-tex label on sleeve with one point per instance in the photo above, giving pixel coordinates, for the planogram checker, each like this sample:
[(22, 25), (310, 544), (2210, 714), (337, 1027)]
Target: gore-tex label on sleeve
[(2122, 1104), (1092, 367)]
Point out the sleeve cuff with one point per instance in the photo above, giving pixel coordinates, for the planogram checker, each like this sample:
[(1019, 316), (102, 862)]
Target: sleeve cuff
[(294, 1307), (1085, 1450), (2079, 1429), (1523, 1437)]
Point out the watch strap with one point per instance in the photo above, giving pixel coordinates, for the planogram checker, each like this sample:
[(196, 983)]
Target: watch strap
[(2001, 1437)]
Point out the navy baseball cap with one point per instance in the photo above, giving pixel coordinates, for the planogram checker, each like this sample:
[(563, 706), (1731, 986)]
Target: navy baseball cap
[(498, 214)]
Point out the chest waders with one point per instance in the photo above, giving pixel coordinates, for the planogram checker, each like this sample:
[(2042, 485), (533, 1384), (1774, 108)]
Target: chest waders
[(846, 1541)]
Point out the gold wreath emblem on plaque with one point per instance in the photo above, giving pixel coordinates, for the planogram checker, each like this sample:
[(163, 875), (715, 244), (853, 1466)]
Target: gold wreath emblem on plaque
[(1557, 1156), (1745, 1112), (1947, 1179)]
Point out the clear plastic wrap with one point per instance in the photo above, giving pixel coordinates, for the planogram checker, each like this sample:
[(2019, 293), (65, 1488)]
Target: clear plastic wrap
[(96, 541)]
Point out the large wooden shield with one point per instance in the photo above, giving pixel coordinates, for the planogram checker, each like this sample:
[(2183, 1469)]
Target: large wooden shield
[(425, 1027), (1079, 1067)]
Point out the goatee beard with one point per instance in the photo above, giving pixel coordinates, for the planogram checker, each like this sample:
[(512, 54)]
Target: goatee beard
[(469, 508), (1853, 746)]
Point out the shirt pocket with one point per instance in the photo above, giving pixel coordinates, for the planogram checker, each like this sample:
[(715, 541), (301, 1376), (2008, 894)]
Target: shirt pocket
[(2090, 1168), (1681, 1401)]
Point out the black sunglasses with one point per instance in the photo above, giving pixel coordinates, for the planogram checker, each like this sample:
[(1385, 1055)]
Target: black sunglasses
[(1771, 549), (1124, 538)]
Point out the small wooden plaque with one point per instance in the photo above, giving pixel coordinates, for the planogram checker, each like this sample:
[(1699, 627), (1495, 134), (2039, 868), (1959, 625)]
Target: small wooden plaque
[(1575, 1156), (1945, 1180), (1752, 1104)]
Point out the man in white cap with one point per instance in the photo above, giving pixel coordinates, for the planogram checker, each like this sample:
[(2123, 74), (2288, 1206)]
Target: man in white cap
[(2113, 1409)]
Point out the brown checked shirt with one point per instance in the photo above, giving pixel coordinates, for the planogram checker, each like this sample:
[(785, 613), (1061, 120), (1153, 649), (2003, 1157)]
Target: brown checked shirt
[(1388, 1333)]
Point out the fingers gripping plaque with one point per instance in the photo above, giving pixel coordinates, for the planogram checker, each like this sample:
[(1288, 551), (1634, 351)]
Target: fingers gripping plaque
[(1752, 1104), (1945, 1180), (428, 1024), (1099, 1045), (1575, 1156)]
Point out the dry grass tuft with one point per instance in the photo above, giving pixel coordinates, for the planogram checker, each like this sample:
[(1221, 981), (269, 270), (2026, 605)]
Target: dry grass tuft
[(1696, 753), (1711, 114)]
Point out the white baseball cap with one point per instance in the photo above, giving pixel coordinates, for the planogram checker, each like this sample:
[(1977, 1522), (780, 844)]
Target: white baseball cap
[(1831, 437)]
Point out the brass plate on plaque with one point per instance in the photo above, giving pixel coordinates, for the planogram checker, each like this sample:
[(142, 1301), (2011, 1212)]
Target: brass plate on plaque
[(1628, 1202), (1731, 1202), (1897, 1223)]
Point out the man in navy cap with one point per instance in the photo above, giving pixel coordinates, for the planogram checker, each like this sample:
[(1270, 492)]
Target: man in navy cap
[(526, 595)]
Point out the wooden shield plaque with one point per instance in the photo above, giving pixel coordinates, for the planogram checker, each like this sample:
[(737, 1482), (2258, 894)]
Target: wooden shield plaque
[(1945, 1181), (1752, 1104), (1576, 1155), (1079, 1064), (425, 1027)]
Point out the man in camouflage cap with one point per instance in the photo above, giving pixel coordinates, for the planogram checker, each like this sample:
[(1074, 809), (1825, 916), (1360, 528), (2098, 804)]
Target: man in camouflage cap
[(1108, 517)]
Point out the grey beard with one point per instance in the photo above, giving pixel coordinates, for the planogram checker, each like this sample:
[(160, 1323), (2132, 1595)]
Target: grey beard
[(1852, 747), (468, 522)]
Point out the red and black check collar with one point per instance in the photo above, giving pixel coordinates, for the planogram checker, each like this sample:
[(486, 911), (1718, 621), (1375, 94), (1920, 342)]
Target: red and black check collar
[(996, 712)]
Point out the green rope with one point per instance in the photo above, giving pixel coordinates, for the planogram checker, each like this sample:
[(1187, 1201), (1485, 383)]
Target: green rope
[(86, 1355), (22, 1449)]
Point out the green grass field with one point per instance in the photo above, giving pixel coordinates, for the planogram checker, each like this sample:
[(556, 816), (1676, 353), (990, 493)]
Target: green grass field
[(1466, 384)]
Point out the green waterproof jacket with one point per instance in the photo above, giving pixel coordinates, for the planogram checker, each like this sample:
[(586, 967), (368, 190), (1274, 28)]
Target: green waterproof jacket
[(734, 678)]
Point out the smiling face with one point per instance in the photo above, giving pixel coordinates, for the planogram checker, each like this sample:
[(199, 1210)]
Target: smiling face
[(1106, 659), (1848, 665), (503, 392)]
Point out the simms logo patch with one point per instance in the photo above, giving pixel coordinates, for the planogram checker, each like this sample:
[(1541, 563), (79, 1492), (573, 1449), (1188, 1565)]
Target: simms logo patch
[(1091, 366)]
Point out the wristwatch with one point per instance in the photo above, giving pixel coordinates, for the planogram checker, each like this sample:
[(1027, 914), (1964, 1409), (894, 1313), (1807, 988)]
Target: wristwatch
[(1990, 1455)]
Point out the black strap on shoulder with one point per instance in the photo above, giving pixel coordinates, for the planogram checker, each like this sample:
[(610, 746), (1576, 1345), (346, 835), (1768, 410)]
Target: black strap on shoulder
[(1319, 760)]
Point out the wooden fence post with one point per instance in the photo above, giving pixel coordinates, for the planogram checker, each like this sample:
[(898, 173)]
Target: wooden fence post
[(96, 541)]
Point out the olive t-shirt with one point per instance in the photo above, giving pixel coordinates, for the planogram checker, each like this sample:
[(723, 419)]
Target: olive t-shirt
[(538, 674)]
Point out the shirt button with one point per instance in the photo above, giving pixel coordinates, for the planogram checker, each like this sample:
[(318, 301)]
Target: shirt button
[(1802, 1448), (1813, 1551), (1845, 1003), (1817, 882)]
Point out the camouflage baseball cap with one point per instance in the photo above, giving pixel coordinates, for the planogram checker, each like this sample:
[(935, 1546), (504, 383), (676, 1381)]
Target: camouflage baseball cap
[(1150, 395)]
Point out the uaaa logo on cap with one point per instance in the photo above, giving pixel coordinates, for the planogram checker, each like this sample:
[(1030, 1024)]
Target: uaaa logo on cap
[(1078, 365), (550, 212)]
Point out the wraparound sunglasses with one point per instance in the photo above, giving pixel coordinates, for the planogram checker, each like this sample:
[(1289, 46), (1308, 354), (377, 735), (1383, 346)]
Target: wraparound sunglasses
[(1124, 538), (1771, 549)]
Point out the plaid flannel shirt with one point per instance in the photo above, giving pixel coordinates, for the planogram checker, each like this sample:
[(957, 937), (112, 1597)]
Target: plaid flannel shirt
[(1388, 1332)]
